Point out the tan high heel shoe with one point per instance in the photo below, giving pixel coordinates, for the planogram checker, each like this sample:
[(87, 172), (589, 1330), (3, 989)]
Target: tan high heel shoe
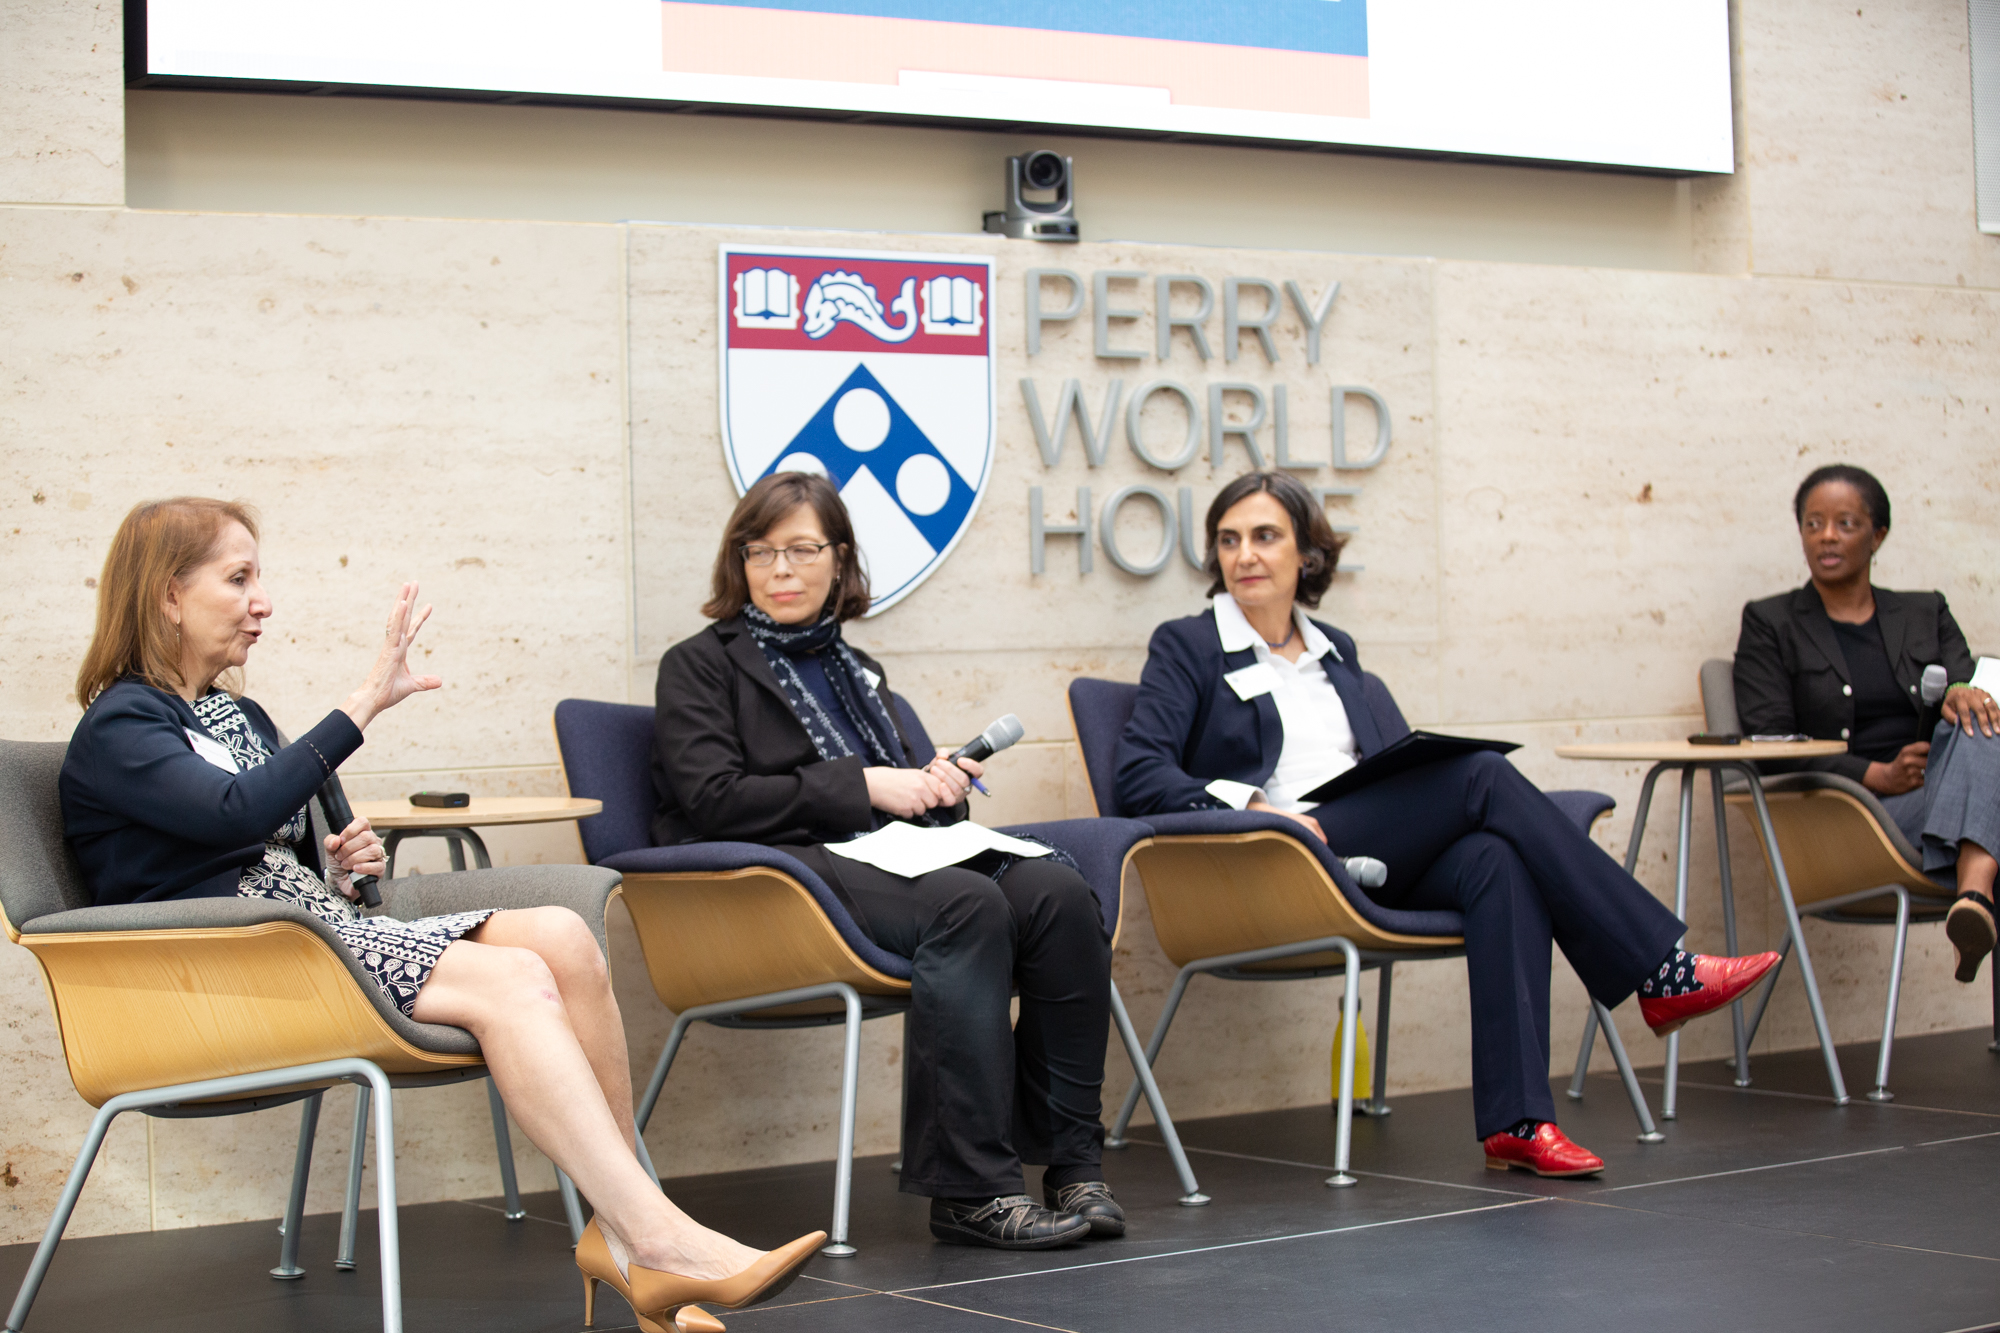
[(655, 1296)]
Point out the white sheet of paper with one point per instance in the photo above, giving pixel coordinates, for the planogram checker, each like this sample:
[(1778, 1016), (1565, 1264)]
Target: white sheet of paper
[(905, 849), (1253, 680), (1986, 675), (212, 750)]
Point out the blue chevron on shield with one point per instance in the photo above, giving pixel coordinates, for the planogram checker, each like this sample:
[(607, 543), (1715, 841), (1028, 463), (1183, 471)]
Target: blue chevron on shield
[(875, 370)]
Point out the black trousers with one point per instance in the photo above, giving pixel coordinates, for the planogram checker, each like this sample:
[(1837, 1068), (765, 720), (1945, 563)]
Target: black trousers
[(1473, 835), (981, 1097)]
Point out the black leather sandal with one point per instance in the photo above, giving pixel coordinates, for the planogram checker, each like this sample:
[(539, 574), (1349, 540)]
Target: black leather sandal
[(1969, 927)]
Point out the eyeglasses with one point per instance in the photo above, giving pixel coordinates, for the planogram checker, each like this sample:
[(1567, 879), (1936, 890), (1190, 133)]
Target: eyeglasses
[(762, 557)]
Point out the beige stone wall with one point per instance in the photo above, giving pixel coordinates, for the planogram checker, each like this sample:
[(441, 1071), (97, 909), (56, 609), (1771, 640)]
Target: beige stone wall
[(1590, 474)]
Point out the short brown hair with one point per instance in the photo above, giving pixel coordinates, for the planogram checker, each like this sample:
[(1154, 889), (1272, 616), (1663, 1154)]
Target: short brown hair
[(1318, 543), (762, 508), (159, 542)]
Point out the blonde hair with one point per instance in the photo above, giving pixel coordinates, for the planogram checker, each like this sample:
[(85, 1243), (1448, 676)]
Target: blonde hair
[(159, 542)]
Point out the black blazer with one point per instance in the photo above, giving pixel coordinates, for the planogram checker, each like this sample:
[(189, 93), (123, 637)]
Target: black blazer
[(1189, 727), (1791, 677), (148, 818), (732, 762)]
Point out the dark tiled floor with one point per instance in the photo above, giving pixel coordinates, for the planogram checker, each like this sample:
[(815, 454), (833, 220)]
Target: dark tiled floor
[(1769, 1208)]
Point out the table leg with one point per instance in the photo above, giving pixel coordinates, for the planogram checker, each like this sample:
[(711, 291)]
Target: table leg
[(1631, 863), (1770, 837), (1670, 1110), (1729, 921)]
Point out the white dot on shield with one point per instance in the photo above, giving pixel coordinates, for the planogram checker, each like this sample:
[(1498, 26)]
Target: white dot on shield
[(861, 420), (922, 484), (801, 463)]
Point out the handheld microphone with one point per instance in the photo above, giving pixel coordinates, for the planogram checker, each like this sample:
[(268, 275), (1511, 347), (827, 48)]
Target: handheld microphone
[(1368, 872), (333, 801), (1935, 682), (992, 740)]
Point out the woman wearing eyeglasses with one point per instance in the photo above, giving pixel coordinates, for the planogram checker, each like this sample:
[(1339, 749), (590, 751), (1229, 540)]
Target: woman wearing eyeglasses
[(1843, 659), (771, 729)]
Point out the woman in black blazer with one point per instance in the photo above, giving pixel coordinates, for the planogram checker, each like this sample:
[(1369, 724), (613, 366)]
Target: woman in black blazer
[(1843, 659), (173, 787), (1252, 705), (771, 729)]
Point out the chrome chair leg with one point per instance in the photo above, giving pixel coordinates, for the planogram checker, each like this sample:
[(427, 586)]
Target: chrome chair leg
[(357, 1156), (1377, 1106), (1116, 1138), (38, 1267), (1736, 1022), (1880, 1092), (1670, 1104), (1648, 1131), (1350, 1023), (1813, 1001), (503, 1144), (1142, 1077), (1583, 1050), (572, 1205), (295, 1206), (843, 1163)]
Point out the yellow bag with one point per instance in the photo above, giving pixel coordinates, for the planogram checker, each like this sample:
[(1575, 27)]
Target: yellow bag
[(1364, 1068)]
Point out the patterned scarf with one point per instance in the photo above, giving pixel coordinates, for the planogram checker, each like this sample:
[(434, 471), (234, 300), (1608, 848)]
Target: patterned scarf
[(782, 643)]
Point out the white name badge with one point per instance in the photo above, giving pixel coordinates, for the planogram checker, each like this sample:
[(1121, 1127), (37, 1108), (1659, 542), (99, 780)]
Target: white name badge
[(214, 751), (1253, 680)]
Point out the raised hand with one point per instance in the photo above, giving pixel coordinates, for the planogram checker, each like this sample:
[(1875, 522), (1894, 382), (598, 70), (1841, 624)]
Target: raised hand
[(390, 680)]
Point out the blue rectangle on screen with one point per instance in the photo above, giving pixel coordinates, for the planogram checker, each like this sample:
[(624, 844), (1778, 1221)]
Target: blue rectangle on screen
[(1331, 27)]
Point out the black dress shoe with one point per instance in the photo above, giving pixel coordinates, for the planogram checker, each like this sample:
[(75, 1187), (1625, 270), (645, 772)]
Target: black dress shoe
[(1011, 1222), (1090, 1200)]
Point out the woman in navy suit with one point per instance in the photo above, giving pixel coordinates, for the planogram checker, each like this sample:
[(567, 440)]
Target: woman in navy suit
[(176, 786), (1252, 705)]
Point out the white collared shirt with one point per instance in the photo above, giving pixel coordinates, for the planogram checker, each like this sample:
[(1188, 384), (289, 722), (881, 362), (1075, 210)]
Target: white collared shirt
[(1318, 738)]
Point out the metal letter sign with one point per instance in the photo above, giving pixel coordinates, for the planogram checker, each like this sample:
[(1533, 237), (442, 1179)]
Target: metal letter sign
[(875, 370)]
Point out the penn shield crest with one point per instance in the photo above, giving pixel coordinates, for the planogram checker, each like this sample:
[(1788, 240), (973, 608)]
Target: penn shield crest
[(875, 370)]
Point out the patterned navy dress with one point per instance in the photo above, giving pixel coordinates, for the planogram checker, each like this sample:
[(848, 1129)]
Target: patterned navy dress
[(398, 955)]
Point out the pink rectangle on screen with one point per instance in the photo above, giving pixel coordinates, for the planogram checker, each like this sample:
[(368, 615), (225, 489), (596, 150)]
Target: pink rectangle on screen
[(886, 278), (846, 48)]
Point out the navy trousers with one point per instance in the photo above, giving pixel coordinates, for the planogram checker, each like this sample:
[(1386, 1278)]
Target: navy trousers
[(1472, 835)]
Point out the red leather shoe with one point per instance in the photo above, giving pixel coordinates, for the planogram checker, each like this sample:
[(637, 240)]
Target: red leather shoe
[(1722, 980), (1549, 1153)]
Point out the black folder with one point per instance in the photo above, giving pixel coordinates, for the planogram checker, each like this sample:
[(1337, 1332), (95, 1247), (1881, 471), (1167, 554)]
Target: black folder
[(1412, 751)]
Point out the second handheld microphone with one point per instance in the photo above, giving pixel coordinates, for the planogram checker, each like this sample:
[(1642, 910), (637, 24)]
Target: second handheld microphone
[(992, 740)]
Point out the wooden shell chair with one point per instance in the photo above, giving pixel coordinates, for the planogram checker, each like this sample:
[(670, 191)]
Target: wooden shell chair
[(1846, 860), (219, 1006), (741, 936), (1236, 894)]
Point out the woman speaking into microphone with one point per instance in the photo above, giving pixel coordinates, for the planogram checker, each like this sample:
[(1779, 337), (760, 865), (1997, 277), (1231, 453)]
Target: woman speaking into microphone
[(771, 729)]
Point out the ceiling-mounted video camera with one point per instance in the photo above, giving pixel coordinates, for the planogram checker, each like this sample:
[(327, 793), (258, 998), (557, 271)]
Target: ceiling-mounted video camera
[(1049, 217)]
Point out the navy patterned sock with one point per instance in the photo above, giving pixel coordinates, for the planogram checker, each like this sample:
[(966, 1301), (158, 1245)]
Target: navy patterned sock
[(1675, 976), (1524, 1129)]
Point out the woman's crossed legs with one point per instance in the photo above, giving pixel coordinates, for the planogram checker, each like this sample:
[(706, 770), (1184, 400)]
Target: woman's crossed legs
[(532, 987)]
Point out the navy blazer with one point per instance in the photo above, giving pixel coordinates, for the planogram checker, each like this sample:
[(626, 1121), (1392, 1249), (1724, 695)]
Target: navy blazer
[(148, 818), (1189, 727)]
